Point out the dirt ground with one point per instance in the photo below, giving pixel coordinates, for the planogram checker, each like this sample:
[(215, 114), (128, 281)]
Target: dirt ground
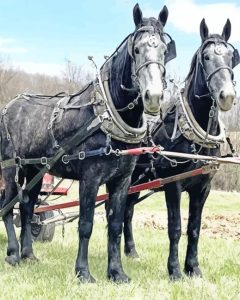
[(214, 225)]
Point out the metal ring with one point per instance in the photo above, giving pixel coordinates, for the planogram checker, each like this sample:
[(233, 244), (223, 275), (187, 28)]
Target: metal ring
[(117, 152), (18, 161), (130, 105), (64, 160), (108, 152)]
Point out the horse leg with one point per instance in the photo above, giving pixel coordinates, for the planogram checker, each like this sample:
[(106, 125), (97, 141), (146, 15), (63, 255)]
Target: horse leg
[(88, 193), (198, 196), (118, 189), (129, 247), (12, 257), (26, 210), (173, 197)]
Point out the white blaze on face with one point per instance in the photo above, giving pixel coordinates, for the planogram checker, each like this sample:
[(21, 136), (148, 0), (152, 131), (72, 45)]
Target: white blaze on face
[(152, 50)]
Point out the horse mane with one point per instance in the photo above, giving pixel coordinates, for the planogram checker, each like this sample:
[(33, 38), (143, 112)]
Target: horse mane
[(193, 66)]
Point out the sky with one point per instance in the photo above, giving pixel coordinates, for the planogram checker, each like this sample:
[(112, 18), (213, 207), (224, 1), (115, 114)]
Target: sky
[(39, 36)]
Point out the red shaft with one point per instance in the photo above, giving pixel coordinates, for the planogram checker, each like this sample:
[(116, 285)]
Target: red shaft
[(133, 189), (139, 151)]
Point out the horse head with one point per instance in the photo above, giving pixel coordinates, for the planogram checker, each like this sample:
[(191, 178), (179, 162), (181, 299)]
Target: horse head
[(216, 59), (150, 52)]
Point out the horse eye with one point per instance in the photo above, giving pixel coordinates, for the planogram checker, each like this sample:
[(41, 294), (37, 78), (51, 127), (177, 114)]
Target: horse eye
[(136, 50), (206, 57)]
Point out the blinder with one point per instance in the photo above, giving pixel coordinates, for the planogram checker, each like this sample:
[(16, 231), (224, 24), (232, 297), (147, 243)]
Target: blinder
[(236, 58), (236, 55), (171, 49)]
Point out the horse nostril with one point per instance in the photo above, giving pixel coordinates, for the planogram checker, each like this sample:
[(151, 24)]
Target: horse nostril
[(221, 95), (147, 95)]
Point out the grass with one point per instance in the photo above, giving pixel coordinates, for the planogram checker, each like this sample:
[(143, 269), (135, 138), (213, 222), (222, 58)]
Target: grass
[(53, 277)]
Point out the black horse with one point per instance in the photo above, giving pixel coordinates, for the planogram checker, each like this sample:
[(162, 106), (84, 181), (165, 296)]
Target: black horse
[(35, 126), (191, 125)]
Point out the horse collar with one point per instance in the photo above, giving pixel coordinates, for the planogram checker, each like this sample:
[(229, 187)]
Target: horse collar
[(192, 131), (114, 124)]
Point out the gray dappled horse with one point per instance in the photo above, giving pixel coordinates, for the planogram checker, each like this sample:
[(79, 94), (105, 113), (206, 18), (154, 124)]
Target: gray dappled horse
[(209, 87), (34, 126)]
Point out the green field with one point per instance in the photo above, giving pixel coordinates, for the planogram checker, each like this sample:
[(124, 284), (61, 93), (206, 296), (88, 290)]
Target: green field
[(53, 277)]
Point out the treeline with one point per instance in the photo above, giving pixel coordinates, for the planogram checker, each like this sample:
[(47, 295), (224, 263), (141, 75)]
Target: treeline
[(13, 81)]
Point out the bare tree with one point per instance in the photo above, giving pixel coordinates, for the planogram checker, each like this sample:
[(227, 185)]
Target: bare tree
[(7, 74), (75, 76)]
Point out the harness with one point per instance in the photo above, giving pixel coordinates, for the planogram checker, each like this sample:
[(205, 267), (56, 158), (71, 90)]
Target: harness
[(82, 134), (186, 121), (106, 118)]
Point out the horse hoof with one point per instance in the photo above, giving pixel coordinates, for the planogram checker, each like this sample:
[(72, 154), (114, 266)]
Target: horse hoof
[(175, 275), (118, 277), (193, 272), (30, 257), (12, 260), (132, 254), (85, 277)]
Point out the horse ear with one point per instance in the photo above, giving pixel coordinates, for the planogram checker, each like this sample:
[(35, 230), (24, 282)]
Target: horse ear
[(163, 16), (137, 15), (226, 30), (203, 30)]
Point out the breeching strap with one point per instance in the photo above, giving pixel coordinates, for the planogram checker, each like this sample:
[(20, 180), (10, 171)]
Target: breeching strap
[(82, 134)]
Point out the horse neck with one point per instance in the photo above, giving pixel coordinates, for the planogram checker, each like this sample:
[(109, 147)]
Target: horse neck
[(120, 73), (201, 106)]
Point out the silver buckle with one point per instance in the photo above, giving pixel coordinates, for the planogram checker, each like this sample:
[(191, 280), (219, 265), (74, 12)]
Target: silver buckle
[(44, 160), (81, 155)]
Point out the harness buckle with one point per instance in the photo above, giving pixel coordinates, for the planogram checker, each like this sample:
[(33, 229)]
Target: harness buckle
[(65, 160), (44, 160), (212, 112), (18, 161), (81, 155), (104, 116)]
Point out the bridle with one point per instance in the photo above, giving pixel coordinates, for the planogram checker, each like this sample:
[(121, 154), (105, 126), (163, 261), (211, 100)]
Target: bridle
[(152, 42), (129, 40), (217, 42)]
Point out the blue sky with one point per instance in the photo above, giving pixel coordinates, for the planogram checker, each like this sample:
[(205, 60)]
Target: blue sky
[(39, 35)]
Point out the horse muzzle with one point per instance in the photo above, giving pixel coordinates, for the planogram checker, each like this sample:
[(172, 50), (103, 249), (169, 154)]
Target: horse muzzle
[(226, 99), (152, 101)]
